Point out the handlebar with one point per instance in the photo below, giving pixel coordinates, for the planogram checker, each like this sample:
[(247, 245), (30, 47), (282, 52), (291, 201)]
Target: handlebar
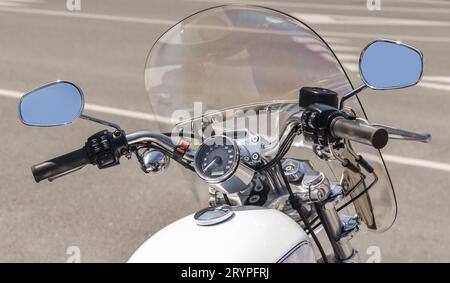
[(159, 141), (60, 164), (400, 134), (359, 132), (104, 148)]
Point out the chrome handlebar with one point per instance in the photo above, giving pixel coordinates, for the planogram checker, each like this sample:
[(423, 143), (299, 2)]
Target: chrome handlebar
[(158, 141), (399, 134), (167, 145)]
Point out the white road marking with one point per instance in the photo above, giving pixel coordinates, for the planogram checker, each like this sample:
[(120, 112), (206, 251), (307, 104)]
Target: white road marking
[(417, 162), (338, 7), (314, 17), (348, 57), (18, 3), (103, 109), (127, 113), (352, 67), (25, 1), (439, 79), (435, 82), (331, 40), (434, 86), (310, 18), (390, 36), (88, 16), (10, 4), (358, 20), (11, 93), (150, 117), (437, 2), (313, 40), (341, 48)]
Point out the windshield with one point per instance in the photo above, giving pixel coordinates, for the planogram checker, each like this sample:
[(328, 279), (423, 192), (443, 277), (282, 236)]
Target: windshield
[(253, 59)]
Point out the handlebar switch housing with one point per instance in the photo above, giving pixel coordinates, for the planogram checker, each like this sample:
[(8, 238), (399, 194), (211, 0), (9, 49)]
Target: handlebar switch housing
[(105, 148), (316, 120)]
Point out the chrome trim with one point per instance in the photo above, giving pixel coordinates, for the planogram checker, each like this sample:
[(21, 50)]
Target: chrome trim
[(399, 134), (152, 162), (237, 182), (351, 94), (347, 252), (153, 138), (315, 187), (213, 218), (158, 141), (46, 85), (338, 229), (99, 121), (291, 123), (398, 43)]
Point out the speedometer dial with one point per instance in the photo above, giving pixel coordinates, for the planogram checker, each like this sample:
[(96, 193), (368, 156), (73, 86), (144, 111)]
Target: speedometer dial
[(216, 159)]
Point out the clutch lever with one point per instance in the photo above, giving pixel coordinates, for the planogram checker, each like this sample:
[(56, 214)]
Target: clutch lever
[(400, 134)]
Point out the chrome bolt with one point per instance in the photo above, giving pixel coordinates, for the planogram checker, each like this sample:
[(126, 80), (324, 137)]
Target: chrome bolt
[(288, 168), (255, 139)]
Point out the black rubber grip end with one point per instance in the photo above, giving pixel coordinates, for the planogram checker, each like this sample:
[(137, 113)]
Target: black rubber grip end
[(39, 170), (380, 138)]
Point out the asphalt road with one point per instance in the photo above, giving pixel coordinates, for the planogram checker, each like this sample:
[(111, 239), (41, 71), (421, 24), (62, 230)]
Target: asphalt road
[(108, 214)]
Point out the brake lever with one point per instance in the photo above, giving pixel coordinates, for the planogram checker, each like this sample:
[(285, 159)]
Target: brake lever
[(400, 134)]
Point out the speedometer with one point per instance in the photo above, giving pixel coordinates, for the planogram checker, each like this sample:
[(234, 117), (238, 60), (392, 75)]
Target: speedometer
[(216, 159)]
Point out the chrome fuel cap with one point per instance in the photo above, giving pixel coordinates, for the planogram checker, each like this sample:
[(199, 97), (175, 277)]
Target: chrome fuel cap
[(213, 215)]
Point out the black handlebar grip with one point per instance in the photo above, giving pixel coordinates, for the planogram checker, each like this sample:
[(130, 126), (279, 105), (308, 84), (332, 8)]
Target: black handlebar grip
[(60, 164), (359, 132)]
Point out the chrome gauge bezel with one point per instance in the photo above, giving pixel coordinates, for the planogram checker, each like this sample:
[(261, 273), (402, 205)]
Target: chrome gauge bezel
[(236, 159)]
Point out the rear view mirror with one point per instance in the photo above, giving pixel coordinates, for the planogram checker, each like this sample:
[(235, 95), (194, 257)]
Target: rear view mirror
[(54, 104), (386, 64)]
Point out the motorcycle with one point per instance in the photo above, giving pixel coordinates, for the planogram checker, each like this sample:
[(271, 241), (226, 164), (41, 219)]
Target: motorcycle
[(257, 105)]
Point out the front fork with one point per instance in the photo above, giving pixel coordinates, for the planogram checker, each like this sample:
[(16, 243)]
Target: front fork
[(339, 228)]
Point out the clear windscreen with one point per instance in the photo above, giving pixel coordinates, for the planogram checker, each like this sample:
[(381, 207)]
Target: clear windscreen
[(247, 61)]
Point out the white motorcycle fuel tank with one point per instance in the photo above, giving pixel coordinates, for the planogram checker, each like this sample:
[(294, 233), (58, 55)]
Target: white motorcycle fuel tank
[(229, 234)]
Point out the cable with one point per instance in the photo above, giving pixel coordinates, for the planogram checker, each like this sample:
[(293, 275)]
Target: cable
[(351, 200), (298, 207), (360, 194), (282, 152)]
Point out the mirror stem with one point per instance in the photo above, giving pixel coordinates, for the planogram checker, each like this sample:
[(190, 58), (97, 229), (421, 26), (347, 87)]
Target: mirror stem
[(351, 94), (100, 121)]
